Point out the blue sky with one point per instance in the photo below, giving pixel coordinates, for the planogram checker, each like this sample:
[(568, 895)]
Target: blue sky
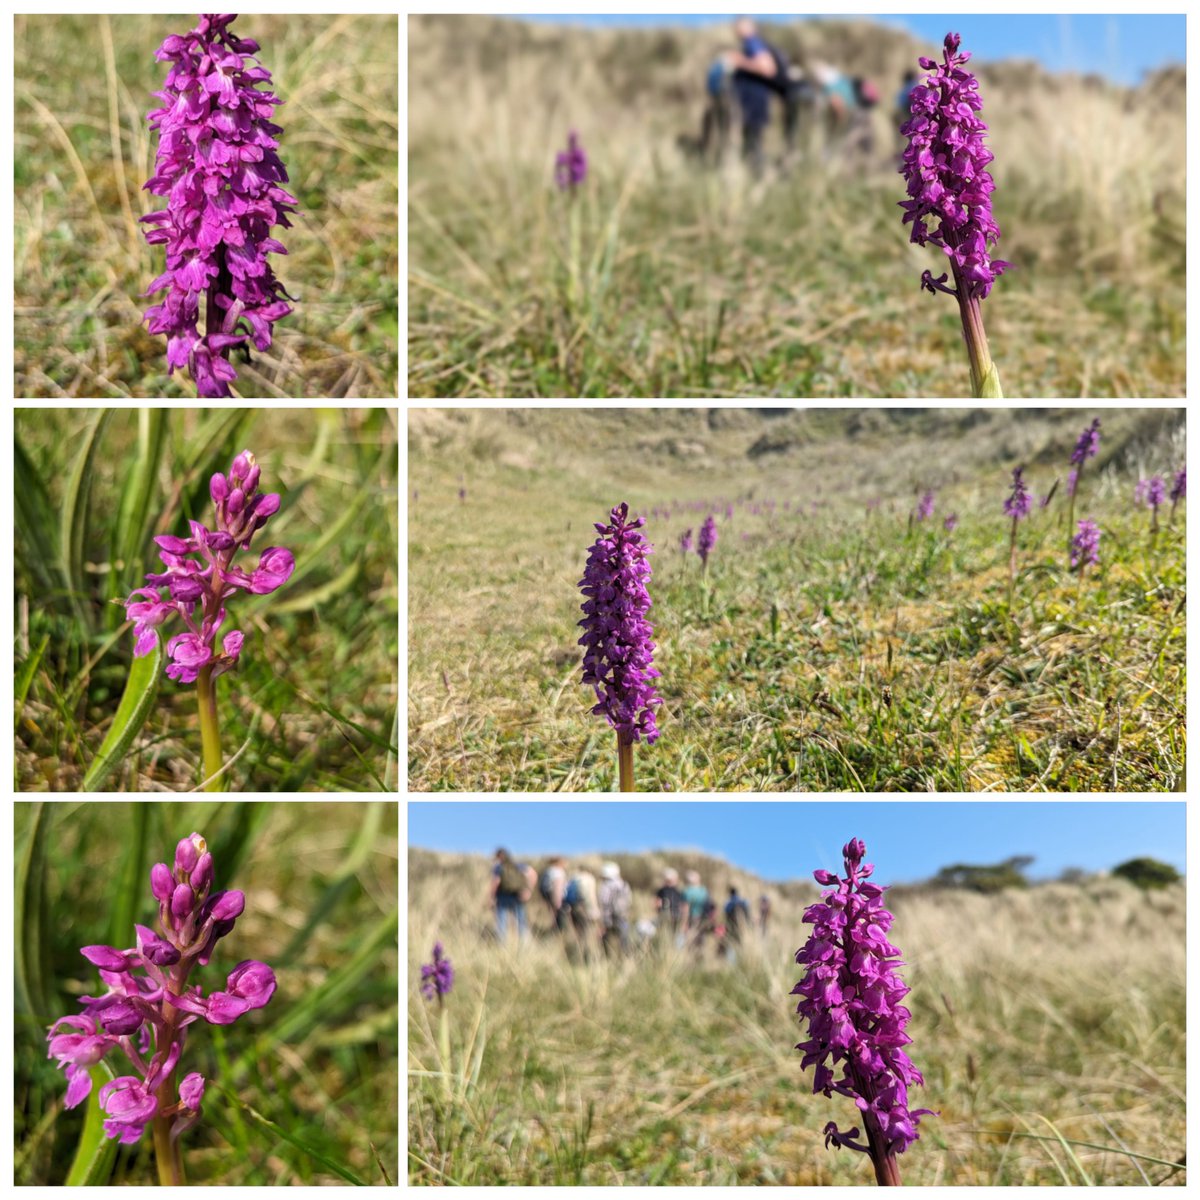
[(1121, 46), (907, 840)]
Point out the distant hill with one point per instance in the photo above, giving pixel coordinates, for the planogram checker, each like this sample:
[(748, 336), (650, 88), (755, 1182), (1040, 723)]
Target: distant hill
[(850, 449)]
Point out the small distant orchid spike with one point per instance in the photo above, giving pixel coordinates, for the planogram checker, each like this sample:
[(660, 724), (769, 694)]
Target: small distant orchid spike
[(707, 541), (437, 977), (950, 196), (925, 507), (1085, 546), (1087, 445), (850, 997), (149, 1004), (1018, 506), (217, 165), (618, 653), (571, 165)]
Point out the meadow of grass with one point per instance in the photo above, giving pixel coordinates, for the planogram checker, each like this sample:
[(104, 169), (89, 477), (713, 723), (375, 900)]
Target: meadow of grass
[(663, 278), (312, 705), (1048, 1024), (82, 89), (302, 1091), (834, 643)]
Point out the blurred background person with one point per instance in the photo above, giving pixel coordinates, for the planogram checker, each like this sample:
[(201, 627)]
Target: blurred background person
[(616, 903), (512, 884)]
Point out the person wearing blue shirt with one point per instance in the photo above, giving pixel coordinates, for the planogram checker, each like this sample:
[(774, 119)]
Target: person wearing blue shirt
[(759, 71)]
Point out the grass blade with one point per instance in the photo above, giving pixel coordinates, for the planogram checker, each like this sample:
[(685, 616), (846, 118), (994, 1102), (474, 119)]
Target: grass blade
[(289, 1137), (356, 857), (310, 1010), (96, 1153), (37, 528), (140, 693), (74, 514), (25, 676)]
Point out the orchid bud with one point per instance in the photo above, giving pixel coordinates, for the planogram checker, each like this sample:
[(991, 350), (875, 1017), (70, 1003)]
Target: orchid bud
[(154, 949), (187, 854), (218, 489), (182, 902), (162, 882), (225, 906), (202, 876)]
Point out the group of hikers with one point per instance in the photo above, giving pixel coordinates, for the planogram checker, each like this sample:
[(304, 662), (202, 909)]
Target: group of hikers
[(742, 84), (596, 916)]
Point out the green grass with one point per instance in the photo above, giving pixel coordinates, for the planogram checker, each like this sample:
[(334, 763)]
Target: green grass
[(312, 704), (84, 150), (663, 279), (301, 1092), (835, 648), (1056, 1012)]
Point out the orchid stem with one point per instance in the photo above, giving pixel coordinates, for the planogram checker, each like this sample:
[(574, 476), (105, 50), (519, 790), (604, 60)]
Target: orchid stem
[(167, 1155), (210, 730), (625, 763)]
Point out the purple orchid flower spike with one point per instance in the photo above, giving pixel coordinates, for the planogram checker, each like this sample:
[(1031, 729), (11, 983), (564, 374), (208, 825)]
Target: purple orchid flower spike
[(1018, 505), (217, 165), (618, 653), (950, 196), (149, 1005), (570, 165), (851, 998), (707, 541), (200, 578)]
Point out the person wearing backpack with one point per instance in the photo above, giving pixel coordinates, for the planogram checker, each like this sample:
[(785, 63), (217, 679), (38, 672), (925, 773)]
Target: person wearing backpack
[(737, 915), (760, 71), (616, 903), (584, 909), (552, 887), (512, 885)]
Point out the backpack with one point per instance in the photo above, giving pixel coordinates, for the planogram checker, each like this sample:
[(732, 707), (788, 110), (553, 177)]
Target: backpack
[(512, 878), (572, 896)]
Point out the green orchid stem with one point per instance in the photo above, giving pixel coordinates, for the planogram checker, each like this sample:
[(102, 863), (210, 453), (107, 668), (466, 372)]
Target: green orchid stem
[(625, 762), (167, 1155), (210, 730), (444, 1044), (985, 379), (1012, 563)]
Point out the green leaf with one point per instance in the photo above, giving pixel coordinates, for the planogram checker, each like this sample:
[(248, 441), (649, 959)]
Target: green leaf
[(126, 896), (30, 950), (76, 503), (25, 676), (96, 1153), (136, 703), (287, 1136), (136, 515)]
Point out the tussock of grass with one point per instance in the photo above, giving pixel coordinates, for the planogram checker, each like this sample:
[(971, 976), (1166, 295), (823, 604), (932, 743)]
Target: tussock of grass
[(1063, 1004), (704, 284), (829, 648), (83, 151)]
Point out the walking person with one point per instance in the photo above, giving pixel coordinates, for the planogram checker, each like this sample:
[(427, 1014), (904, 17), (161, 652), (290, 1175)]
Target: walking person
[(552, 887), (512, 884), (764, 913), (616, 903)]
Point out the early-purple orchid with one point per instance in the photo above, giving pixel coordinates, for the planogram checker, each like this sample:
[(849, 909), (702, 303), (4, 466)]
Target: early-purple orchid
[(149, 1004), (218, 167), (200, 578)]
